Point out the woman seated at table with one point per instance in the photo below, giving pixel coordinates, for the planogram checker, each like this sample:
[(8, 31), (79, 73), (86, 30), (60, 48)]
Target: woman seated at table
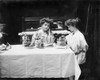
[(43, 35), (76, 40)]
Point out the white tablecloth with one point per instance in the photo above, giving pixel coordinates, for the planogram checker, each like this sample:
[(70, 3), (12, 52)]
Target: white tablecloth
[(21, 62)]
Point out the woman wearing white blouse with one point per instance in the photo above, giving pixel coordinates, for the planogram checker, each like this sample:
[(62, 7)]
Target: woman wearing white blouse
[(76, 40)]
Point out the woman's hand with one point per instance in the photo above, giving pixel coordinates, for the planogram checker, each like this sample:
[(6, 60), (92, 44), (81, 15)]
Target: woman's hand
[(81, 57)]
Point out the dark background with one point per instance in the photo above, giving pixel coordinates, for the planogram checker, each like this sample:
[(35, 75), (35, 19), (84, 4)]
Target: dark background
[(12, 13)]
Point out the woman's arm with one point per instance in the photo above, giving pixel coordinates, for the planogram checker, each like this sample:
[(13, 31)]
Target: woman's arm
[(33, 39)]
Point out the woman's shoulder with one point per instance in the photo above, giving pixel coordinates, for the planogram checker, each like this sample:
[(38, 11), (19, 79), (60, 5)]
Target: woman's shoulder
[(39, 32), (80, 35)]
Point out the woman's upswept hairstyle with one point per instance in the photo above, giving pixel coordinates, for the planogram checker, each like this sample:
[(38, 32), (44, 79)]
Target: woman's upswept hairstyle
[(43, 20), (71, 22)]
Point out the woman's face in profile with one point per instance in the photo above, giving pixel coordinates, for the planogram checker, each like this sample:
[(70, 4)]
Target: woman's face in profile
[(45, 26), (71, 28)]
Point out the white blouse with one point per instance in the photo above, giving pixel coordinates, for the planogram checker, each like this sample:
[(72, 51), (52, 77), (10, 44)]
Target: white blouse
[(46, 38), (78, 44)]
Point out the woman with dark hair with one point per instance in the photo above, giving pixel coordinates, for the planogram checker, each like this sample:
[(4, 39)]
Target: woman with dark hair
[(43, 35), (76, 40)]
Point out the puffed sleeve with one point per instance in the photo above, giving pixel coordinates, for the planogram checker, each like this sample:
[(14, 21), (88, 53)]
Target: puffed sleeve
[(83, 44), (52, 38), (34, 36), (82, 48)]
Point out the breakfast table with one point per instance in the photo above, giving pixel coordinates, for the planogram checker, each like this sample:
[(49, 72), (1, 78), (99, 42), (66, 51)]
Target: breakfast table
[(47, 62)]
